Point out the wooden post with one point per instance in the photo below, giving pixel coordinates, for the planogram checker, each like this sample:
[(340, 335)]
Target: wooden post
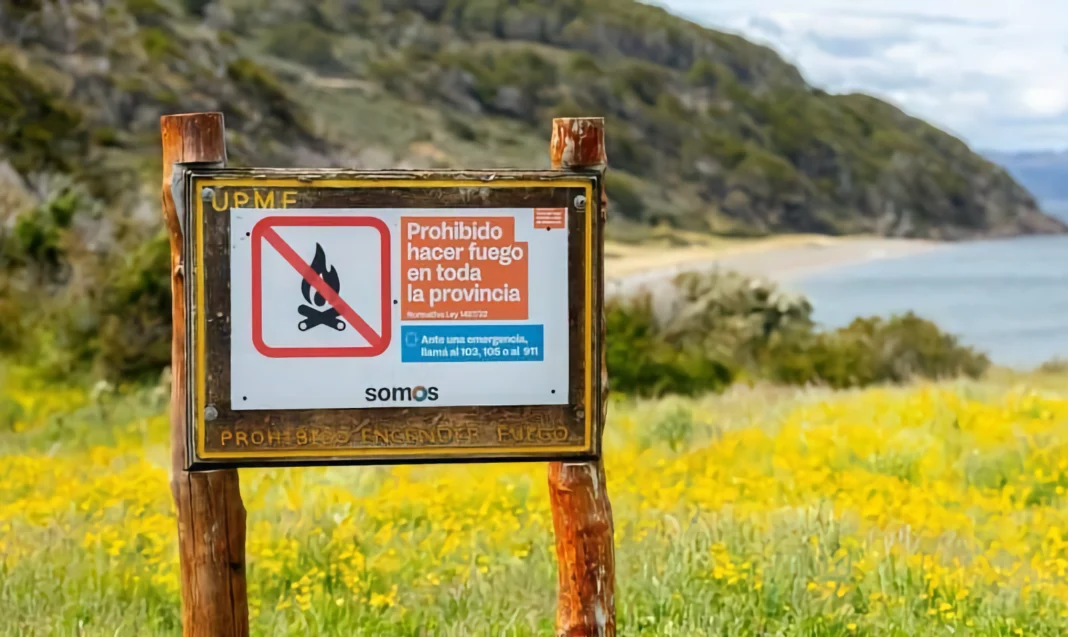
[(582, 514), (211, 517)]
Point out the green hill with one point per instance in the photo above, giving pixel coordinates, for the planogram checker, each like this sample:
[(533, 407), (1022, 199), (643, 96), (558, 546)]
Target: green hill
[(706, 132)]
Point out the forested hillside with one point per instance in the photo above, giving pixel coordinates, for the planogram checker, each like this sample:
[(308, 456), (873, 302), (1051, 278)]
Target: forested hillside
[(706, 132)]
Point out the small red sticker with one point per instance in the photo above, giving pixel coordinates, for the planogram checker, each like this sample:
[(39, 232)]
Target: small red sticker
[(549, 218)]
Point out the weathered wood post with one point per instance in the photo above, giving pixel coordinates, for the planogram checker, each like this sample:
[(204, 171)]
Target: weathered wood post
[(582, 514), (211, 517)]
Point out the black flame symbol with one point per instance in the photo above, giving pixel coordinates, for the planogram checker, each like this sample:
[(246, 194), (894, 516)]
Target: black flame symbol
[(330, 277), (312, 316)]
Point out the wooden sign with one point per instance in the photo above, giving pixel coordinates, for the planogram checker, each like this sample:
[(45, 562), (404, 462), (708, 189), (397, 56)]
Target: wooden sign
[(388, 317)]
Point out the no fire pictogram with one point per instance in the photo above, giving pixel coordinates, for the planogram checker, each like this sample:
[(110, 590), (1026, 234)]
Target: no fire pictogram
[(323, 301)]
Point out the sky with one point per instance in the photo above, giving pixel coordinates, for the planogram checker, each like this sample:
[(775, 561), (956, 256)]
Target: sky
[(994, 72)]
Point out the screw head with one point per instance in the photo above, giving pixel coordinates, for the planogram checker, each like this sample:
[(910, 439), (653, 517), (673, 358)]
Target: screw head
[(580, 202), (210, 413), (207, 193)]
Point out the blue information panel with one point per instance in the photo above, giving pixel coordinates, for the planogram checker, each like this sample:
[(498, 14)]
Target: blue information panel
[(472, 343)]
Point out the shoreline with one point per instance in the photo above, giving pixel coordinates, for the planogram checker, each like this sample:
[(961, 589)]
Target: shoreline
[(780, 259)]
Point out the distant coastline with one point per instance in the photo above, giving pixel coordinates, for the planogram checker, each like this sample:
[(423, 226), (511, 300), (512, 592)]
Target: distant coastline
[(780, 259), (1006, 297), (1057, 208)]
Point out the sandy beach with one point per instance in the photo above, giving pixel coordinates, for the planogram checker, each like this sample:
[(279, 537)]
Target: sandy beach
[(629, 268)]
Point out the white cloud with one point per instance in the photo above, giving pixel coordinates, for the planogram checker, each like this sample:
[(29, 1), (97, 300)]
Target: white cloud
[(1046, 101), (994, 72)]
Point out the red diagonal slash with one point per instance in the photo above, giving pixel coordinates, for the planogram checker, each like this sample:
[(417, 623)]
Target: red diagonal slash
[(320, 286), (264, 231)]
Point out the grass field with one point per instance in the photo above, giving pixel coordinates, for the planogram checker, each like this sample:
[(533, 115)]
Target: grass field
[(930, 510)]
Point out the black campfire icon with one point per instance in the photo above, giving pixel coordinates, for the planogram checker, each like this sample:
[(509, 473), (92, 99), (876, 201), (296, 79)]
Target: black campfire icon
[(314, 317)]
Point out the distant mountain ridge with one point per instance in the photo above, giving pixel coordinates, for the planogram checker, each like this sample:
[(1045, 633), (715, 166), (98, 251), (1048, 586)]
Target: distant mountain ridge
[(707, 131), (1044, 173), (1058, 208)]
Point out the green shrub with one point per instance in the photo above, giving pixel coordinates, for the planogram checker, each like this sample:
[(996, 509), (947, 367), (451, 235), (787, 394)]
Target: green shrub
[(39, 130), (873, 350), (722, 325), (708, 73), (262, 85), (10, 413), (37, 241), (1056, 365), (158, 43), (198, 8), (729, 149), (642, 361), (460, 128), (642, 80), (149, 12), (769, 167), (623, 196), (304, 43), (733, 315), (13, 311), (117, 321), (134, 336), (675, 429), (478, 15), (526, 71), (583, 63)]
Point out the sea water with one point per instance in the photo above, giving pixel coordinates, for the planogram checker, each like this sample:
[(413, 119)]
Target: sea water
[(1008, 298)]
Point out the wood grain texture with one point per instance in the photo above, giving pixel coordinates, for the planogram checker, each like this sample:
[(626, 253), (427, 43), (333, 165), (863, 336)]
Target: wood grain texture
[(582, 512), (211, 516), (578, 143), (582, 521)]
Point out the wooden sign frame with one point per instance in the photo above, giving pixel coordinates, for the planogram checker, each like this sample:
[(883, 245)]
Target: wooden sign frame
[(303, 437)]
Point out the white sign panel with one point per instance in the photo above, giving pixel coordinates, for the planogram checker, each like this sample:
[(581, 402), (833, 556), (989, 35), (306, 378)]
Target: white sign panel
[(361, 308)]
